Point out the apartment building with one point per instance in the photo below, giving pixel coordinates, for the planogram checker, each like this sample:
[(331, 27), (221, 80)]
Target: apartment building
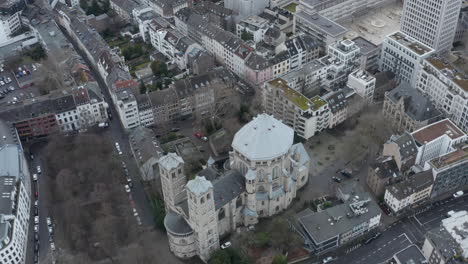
[(124, 8), (166, 8), (402, 55), (450, 172), (143, 17), (437, 139), (306, 116), (447, 88), (246, 8), (15, 202), (338, 105), (257, 69), (432, 22), (307, 79), (363, 84), (409, 193), (403, 149), (407, 109), (447, 243), (127, 108), (255, 26), (381, 173)]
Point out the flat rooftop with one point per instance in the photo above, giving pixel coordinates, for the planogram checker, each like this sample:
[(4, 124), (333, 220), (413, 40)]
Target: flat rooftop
[(376, 25), (436, 130), (410, 43), (297, 98), (449, 71), (457, 226), (326, 25), (456, 156)]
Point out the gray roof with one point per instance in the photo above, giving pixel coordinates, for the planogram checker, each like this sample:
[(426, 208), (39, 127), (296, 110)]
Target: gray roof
[(163, 97), (127, 5), (176, 224), (365, 45), (209, 173), (10, 161), (413, 184), (406, 143), (336, 101), (199, 185), (410, 255), (385, 167), (263, 138), (8, 133), (326, 25), (318, 224), (144, 144), (170, 161), (7, 187), (443, 241), (417, 106), (257, 62), (228, 187)]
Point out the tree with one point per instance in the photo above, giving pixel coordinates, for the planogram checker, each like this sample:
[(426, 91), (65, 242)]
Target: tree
[(227, 256), (142, 87), (262, 239), (159, 68), (282, 237), (159, 212), (37, 52), (84, 5), (246, 35), (280, 259)]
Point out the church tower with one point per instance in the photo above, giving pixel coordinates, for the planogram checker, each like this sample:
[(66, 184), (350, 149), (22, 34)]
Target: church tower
[(173, 180), (203, 218)]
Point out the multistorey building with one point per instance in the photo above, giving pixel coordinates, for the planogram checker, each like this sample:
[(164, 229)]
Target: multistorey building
[(245, 8), (447, 88), (409, 193), (450, 172), (306, 116), (402, 55), (432, 22), (407, 109), (262, 181), (15, 201), (363, 83)]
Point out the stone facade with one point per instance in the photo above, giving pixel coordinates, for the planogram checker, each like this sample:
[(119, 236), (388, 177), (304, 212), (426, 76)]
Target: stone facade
[(266, 170)]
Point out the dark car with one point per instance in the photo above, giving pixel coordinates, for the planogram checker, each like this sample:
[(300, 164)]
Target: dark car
[(338, 180), (36, 236), (36, 247), (175, 129), (31, 156), (346, 174)]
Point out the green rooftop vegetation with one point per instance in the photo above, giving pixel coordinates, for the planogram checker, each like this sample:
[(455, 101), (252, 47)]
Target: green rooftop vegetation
[(291, 7), (317, 102), (294, 96)]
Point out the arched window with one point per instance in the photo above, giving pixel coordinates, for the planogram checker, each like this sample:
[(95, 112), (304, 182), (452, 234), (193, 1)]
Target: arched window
[(261, 175), (275, 172), (202, 200), (183, 242)]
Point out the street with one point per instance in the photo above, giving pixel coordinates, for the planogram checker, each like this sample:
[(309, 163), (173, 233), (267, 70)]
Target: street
[(401, 234)]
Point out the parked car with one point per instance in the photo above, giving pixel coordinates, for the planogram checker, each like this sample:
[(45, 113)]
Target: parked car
[(52, 246), (226, 245), (129, 182), (36, 228), (36, 220), (49, 221), (35, 177), (458, 194), (204, 139), (338, 180), (38, 168), (198, 135), (31, 156), (346, 173), (175, 129), (327, 259), (127, 188), (51, 230), (36, 236)]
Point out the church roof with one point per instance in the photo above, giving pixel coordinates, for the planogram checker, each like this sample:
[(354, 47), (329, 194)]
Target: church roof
[(228, 187), (263, 138), (176, 224), (170, 161), (199, 185)]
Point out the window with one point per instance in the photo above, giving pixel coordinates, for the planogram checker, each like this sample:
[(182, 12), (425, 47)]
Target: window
[(208, 196), (239, 202), (173, 175), (221, 214), (202, 200)]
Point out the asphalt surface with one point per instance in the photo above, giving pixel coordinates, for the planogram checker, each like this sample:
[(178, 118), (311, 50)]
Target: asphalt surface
[(401, 234)]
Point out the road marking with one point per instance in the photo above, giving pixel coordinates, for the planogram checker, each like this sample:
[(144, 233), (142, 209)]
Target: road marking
[(417, 220)]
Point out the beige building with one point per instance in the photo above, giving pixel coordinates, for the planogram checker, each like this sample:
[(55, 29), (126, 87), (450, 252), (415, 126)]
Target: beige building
[(407, 109), (266, 170), (381, 173), (410, 192)]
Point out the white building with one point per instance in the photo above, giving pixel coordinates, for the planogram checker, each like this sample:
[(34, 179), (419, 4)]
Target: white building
[(363, 83), (254, 25), (432, 22), (446, 87), (437, 139), (15, 201), (402, 55), (143, 18), (306, 116), (410, 192), (262, 181), (127, 108)]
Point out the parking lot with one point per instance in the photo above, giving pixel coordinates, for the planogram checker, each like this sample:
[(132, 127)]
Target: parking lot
[(18, 84)]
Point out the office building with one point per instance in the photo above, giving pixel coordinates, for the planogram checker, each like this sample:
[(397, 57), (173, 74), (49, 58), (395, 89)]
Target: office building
[(432, 22)]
